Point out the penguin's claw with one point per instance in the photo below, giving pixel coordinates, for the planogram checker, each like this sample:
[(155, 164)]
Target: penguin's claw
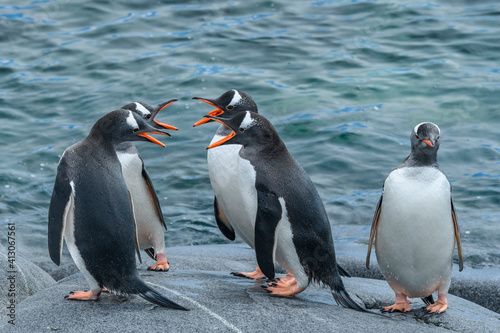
[(84, 295), (255, 275), (439, 306)]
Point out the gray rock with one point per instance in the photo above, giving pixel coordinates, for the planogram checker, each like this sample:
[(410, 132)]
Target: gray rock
[(199, 279), (20, 279)]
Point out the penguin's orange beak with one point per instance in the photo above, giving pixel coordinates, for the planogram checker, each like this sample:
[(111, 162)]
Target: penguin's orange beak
[(170, 127), (221, 141), (217, 112), (150, 138), (429, 143)]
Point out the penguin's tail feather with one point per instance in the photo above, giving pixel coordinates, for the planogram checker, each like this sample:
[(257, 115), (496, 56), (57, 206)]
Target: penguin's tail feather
[(142, 289), (342, 298)]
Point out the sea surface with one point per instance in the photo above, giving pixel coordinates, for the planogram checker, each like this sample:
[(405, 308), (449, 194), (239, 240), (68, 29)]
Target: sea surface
[(343, 82)]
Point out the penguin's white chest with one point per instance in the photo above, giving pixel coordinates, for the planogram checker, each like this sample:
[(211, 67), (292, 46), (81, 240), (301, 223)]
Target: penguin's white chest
[(149, 226), (233, 182), (415, 235)]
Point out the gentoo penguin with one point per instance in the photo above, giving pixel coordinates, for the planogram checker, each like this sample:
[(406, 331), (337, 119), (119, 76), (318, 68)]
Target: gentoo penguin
[(222, 161), (92, 208), (280, 212), (147, 210), (415, 226)]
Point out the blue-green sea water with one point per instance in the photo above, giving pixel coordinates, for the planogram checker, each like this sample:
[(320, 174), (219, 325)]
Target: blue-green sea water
[(344, 82)]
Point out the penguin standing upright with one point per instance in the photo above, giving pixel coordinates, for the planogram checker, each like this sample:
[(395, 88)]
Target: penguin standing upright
[(222, 161), (415, 226), (282, 216), (147, 210), (92, 208)]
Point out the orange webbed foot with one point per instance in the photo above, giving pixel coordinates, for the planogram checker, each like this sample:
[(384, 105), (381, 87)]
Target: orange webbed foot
[(91, 295), (439, 306), (161, 264), (285, 286), (401, 305), (255, 275)]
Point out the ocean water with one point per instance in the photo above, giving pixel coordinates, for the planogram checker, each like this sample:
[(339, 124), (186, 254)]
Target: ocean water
[(344, 83)]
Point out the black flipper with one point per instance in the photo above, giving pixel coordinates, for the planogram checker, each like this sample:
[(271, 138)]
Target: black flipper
[(374, 230), (60, 204), (457, 237), (342, 271), (222, 222), (136, 230), (268, 216), (151, 253), (428, 300), (153, 194)]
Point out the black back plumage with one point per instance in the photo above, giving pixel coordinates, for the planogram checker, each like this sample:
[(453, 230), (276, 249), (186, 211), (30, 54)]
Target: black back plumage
[(104, 227), (278, 175)]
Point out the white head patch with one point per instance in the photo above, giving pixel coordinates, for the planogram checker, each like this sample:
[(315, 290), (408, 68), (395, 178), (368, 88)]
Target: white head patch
[(131, 120), (236, 98), (415, 130), (248, 121), (141, 109)]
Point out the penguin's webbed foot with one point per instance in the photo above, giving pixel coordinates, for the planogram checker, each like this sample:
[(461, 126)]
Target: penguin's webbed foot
[(255, 275), (161, 263), (397, 308), (91, 295), (439, 306), (402, 305), (161, 266), (285, 286)]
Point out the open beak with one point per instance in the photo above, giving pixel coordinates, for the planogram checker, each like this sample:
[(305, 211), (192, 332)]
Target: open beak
[(221, 141), (150, 138), (170, 127), (217, 112)]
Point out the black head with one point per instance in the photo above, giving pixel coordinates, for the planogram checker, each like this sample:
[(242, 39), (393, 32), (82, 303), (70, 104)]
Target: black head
[(149, 113), (125, 125), (248, 129), (228, 104), (425, 143)]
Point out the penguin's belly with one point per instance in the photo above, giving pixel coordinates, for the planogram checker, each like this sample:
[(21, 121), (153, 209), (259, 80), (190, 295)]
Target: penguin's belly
[(149, 225), (233, 182), (69, 236), (415, 236), (285, 251)]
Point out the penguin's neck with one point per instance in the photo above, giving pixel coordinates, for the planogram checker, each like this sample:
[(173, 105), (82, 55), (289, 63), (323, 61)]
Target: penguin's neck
[(126, 147), (419, 159), (102, 142)]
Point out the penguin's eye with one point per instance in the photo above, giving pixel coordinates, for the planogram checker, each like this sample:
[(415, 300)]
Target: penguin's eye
[(136, 130), (148, 116), (241, 129), (438, 137), (416, 135), (229, 107)]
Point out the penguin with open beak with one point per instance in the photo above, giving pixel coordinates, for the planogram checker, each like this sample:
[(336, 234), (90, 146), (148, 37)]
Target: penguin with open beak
[(282, 216), (415, 226), (148, 213), (92, 209), (222, 162)]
